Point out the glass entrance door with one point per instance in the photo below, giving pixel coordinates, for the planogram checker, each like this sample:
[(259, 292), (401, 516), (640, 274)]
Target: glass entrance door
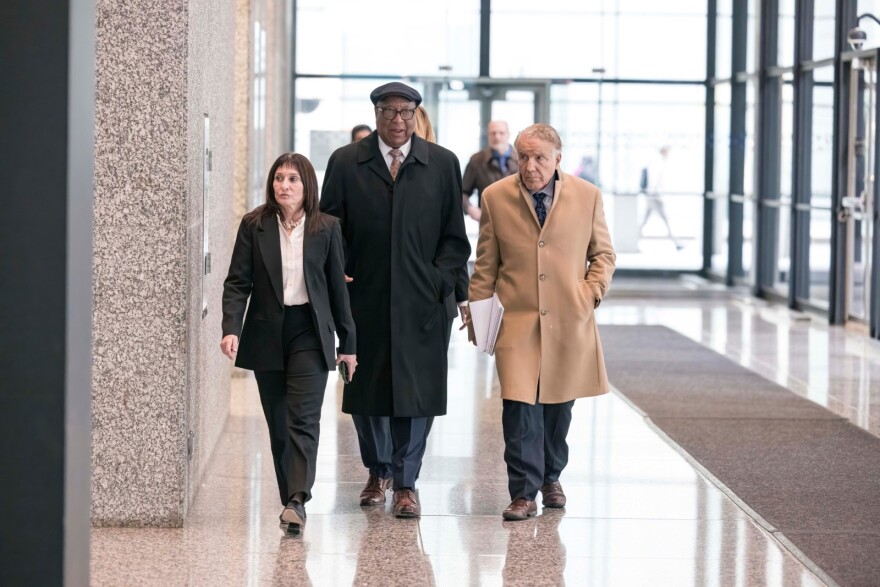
[(460, 109)]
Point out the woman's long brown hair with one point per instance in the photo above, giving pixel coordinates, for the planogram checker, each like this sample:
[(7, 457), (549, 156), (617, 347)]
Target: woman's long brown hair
[(315, 219)]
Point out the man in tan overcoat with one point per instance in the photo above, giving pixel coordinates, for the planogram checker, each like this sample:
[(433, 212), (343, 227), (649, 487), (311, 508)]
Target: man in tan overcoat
[(544, 248)]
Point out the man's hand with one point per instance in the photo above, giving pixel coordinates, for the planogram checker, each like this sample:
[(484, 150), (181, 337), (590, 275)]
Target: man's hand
[(474, 212), (465, 314), (348, 279), (229, 345)]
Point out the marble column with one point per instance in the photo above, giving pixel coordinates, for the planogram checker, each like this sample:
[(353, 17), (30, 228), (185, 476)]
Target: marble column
[(160, 384)]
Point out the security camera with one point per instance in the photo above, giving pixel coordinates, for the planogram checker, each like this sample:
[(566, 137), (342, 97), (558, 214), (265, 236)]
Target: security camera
[(856, 38)]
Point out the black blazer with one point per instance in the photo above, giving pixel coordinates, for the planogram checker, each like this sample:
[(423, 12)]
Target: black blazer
[(255, 273)]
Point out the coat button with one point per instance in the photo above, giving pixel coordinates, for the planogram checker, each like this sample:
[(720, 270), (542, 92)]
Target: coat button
[(541, 244), (542, 277), (543, 312)]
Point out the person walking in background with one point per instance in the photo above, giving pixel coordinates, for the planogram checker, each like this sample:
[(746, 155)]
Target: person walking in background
[(398, 198), (586, 170), (653, 183), (283, 298), (488, 166), (359, 132), (544, 249)]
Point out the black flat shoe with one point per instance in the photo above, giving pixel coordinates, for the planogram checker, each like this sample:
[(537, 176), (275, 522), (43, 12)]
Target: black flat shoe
[(295, 516)]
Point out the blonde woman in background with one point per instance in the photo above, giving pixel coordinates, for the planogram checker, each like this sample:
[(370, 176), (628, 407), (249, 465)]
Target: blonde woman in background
[(424, 129)]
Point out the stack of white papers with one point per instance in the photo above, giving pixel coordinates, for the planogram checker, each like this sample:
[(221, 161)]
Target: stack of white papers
[(486, 317)]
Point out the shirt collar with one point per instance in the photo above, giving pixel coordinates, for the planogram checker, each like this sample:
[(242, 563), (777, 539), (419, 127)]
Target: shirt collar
[(386, 150), (547, 190), (499, 155)]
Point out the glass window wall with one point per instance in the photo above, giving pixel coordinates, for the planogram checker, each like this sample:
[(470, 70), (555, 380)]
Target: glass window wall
[(753, 33), (823, 29), (336, 37), (785, 34), (612, 35), (721, 140), (782, 274), (658, 128), (723, 38)]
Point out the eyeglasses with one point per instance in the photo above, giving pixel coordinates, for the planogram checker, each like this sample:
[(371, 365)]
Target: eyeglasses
[(391, 113)]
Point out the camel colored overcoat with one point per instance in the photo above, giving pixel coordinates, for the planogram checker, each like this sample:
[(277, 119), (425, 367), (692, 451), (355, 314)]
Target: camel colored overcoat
[(549, 281)]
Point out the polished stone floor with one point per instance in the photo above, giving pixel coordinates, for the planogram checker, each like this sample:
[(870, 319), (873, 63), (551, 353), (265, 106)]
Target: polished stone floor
[(638, 513)]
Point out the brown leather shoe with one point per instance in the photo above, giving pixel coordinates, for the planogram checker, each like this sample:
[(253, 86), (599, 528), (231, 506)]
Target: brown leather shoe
[(405, 504), (520, 509), (374, 491), (552, 495)]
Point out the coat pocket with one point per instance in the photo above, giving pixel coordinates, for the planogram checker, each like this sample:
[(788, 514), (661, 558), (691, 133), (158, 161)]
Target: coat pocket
[(433, 316), (587, 296)]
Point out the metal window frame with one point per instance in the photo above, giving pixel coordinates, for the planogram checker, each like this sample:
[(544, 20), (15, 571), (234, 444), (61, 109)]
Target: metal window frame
[(846, 13), (709, 154), (768, 150), (735, 208), (801, 180)]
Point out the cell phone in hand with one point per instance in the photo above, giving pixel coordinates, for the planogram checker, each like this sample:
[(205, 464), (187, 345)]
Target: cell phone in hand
[(343, 371)]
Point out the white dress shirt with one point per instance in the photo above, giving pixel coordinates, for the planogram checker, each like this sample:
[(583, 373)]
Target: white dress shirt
[(386, 151), (292, 275)]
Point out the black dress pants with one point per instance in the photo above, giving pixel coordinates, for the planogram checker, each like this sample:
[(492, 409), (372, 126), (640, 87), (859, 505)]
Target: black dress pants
[(535, 448), (292, 402)]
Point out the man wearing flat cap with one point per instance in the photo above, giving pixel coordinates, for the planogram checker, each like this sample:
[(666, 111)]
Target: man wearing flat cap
[(398, 198)]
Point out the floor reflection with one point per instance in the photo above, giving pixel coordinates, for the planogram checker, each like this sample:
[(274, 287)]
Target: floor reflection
[(534, 545)]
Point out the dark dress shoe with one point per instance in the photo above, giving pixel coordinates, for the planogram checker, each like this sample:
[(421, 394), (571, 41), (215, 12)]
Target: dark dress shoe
[(295, 516), (405, 504), (374, 491), (520, 509), (552, 495)]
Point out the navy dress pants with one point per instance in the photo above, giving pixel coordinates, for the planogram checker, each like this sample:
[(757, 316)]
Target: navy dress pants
[(393, 447), (374, 439), (535, 449)]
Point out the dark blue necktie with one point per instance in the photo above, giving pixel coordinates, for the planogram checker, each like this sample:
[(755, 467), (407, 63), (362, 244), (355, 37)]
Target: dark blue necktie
[(502, 163), (540, 209)]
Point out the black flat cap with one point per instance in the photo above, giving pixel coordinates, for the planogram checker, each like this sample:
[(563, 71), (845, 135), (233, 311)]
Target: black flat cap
[(395, 89)]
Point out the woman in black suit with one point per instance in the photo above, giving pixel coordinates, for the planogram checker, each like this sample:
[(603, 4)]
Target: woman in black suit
[(288, 259)]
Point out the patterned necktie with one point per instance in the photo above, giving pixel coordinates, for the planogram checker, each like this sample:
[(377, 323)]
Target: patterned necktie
[(540, 209), (395, 163)]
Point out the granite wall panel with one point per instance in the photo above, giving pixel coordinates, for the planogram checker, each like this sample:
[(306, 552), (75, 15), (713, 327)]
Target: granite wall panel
[(160, 383)]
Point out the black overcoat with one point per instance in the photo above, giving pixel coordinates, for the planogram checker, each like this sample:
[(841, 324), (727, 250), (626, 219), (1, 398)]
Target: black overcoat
[(405, 247), (255, 282)]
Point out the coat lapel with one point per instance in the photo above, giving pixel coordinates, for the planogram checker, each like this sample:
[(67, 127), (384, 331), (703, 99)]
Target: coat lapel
[(369, 154), (311, 250), (527, 198), (418, 152), (269, 241)]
